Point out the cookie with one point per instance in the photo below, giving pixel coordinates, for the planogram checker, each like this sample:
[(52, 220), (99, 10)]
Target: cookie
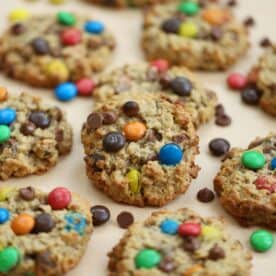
[(246, 183), (45, 50), (140, 149), (42, 233), (196, 35), (33, 135), (179, 243), (263, 76), (176, 83), (126, 3)]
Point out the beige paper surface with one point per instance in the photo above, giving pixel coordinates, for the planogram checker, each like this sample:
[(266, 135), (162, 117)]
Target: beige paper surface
[(248, 122)]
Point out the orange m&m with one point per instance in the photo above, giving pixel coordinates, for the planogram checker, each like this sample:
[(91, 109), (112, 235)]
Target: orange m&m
[(22, 224), (215, 16), (134, 131)]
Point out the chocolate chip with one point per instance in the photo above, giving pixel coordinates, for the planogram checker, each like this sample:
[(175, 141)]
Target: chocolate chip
[(191, 244), (232, 3), (265, 42), (40, 119), (131, 108), (216, 33), (125, 219), (98, 161), (223, 120), (180, 138), (219, 146), (109, 117), (44, 223), (94, 121), (167, 264), (205, 195), (216, 253), (27, 128), (59, 135), (44, 261), (251, 96), (249, 21), (181, 86), (219, 110), (27, 193), (171, 25), (113, 141), (100, 214), (40, 46), (18, 28), (153, 135)]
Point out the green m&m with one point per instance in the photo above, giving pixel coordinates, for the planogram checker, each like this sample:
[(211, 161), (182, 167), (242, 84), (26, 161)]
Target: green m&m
[(66, 18), (147, 258), (9, 257), (253, 160), (5, 133), (189, 8), (261, 240)]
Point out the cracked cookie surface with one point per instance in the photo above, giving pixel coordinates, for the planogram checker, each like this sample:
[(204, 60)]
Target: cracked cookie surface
[(140, 149)]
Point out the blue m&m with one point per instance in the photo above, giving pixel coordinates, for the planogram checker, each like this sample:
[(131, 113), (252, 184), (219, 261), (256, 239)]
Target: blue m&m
[(169, 226), (273, 163), (66, 91), (7, 116), (170, 154), (94, 27), (4, 215)]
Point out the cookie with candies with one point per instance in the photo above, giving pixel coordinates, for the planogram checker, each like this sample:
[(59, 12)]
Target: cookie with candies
[(174, 82), (42, 233), (246, 183), (33, 135), (179, 243), (140, 149), (46, 50), (198, 34), (126, 3)]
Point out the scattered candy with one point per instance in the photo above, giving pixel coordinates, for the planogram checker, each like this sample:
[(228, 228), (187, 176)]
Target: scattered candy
[(4, 215), (237, 81), (3, 94), (188, 29), (147, 258), (18, 15), (261, 240), (9, 258), (100, 214), (66, 91), (5, 133), (253, 160), (215, 16), (44, 223), (205, 195), (113, 141), (59, 198), (71, 36), (219, 146), (171, 25), (169, 226), (134, 131), (75, 222), (181, 86), (22, 224), (189, 229), (94, 27), (66, 18), (85, 87), (133, 177), (273, 164), (210, 232), (251, 96), (170, 154), (189, 8), (125, 219), (57, 69), (7, 116), (161, 65), (131, 108)]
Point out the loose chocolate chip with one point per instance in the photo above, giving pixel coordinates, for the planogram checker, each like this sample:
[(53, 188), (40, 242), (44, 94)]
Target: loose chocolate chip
[(98, 161), (94, 120), (109, 117), (113, 141), (181, 86), (125, 219), (219, 110), (40, 119), (219, 146), (191, 244), (249, 21), (18, 28), (223, 120), (27, 128), (251, 96), (171, 25), (40, 46), (167, 264), (44, 223), (44, 261), (216, 33), (153, 135), (216, 253), (100, 214), (205, 195), (232, 3), (27, 193), (131, 108), (265, 42)]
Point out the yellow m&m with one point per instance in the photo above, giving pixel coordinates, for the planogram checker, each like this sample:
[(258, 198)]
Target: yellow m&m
[(5, 193), (133, 177), (19, 15), (188, 29), (210, 232), (57, 69)]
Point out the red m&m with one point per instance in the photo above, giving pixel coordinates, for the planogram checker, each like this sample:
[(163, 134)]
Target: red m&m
[(71, 36), (189, 229), (161, 65), (59, 198), (236, 81), (85, 87)]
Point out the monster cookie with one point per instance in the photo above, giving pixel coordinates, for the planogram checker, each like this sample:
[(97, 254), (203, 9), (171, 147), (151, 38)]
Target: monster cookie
[(40, 233), (126, 3), (32, 135), (175, 83), (246, 183), (140, 149), (179, 243), (198, 34), (46, 50)]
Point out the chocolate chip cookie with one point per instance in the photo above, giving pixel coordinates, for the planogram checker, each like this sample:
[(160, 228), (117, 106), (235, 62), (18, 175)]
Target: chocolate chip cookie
[(197, 34), (246, 183), (42, 233), (33, 135), (179, 243), (140, 149), (175, 83), (45, 50)]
